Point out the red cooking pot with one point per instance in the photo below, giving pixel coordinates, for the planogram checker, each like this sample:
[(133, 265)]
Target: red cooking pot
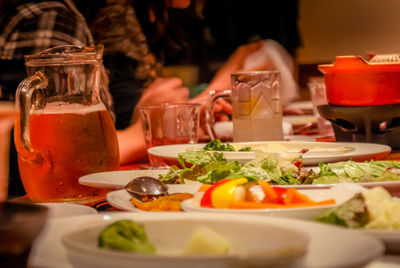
[(354, 81)]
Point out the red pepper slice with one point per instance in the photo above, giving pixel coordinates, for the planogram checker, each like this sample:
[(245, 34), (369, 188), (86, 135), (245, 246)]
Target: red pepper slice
[(281, 192), (298, 164)]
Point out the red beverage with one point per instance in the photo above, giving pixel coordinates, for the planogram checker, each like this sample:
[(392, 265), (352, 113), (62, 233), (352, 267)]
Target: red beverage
[(69, 141)]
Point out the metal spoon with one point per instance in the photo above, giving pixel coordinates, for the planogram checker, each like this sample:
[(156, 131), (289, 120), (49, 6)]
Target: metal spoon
[(146, 186)]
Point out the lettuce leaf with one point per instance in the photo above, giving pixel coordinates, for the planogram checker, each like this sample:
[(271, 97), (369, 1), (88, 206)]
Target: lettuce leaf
[(353, 213), (350, 171)]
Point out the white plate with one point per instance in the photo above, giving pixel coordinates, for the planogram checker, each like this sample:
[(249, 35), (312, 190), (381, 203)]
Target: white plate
[(318, 151), (391, 238), (120, 199), (115, 180), (286, 248), (300, 105), (299, 119), (61, 210), (341, 193), (329, 246)]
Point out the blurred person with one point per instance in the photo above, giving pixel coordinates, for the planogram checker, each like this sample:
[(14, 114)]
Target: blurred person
[(132, 69), (273, 22), (135, 61), (250, 21), (28, 27), (196, 34)]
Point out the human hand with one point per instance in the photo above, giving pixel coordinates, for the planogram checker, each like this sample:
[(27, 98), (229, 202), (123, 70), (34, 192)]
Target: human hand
[(132, 147), (222, 79), (164, 90)]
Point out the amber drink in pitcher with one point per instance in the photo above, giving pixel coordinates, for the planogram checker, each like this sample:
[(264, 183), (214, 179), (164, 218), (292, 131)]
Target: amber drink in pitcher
[(63, 130)]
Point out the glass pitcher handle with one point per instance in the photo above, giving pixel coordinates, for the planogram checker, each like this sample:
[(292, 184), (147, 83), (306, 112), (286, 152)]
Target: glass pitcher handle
[(24, 100), (210, 119)]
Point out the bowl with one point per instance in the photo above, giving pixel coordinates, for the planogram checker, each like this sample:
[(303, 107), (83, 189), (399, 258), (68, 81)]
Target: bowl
[(61, 210), (254, 243), (354, 81)]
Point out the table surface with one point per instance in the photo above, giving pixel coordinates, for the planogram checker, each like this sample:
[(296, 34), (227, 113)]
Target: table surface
[(386, 261)]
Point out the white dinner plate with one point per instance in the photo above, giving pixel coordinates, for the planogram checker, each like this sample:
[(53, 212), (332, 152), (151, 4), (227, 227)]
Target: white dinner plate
[(341, 193), (120, 199), (225, 128), (317, 151), (258, 244), (300, 105), (299, 119), (329, 246), (391, 238), (115, 180), (61, 210)]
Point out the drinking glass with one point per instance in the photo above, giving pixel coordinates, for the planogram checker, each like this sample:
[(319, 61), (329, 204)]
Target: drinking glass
[(167, 123), (316, 86), (63, 130), (170, 123), (257, 108)]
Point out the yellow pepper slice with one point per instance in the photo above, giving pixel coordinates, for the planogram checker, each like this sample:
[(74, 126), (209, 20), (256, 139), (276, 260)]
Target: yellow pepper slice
[(223, 195)]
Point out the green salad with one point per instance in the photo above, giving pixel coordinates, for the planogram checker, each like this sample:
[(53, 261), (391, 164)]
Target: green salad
[(216, 145), (277, 168)]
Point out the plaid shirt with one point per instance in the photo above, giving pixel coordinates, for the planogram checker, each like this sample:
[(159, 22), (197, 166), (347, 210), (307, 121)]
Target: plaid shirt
[(30, 26), (36, 25)]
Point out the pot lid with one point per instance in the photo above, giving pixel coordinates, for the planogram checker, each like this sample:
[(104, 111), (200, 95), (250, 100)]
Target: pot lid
[(378, 63)]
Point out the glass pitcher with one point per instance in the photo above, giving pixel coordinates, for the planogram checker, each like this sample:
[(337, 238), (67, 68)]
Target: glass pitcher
[(63, 130)]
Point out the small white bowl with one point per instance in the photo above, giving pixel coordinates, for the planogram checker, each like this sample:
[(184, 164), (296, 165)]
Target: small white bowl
[(61, 210), (254, 243)]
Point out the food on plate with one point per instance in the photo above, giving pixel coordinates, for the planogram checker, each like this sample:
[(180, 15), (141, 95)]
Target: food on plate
[(350, 171), (126, 235), (373, 209), (353, 213), (239, 193), (205, 241), (210, 167), (170, 202), (275, 147), (279, 169), (216, 145)]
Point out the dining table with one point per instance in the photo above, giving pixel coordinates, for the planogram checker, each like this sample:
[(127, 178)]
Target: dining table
[(385, 261)]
